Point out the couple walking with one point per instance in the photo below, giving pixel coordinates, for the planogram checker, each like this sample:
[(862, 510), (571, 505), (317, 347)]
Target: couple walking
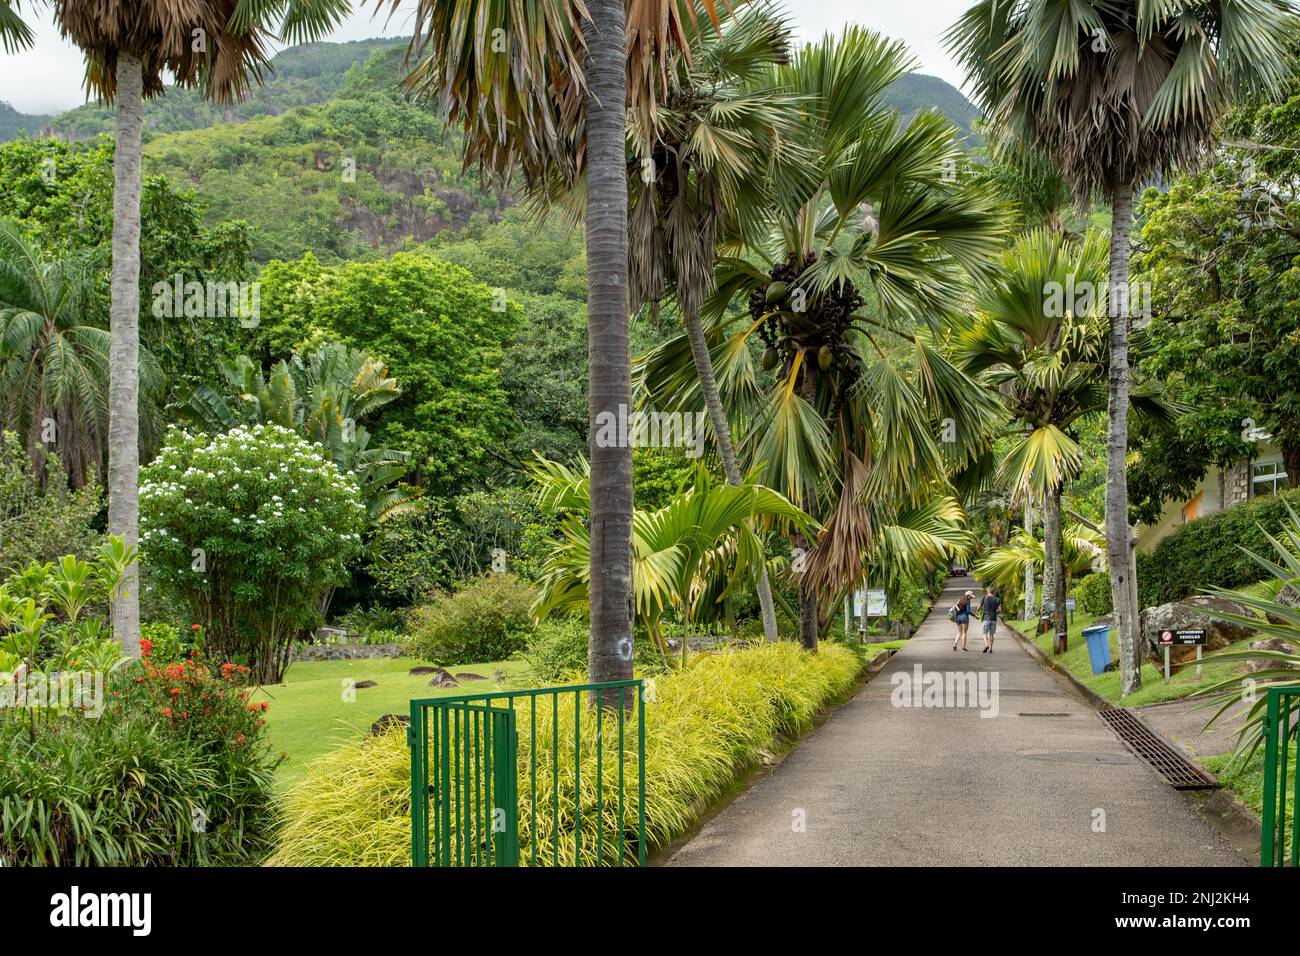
[(988, 612)]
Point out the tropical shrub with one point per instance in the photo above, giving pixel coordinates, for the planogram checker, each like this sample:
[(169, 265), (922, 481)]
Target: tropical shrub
[(704, 725), (558, 649), (1092, 591), (1211, 552), (489, 618), (74, 796), (908, 600), (373, 625), (163, 643), (323, 394), (1273, 613), (53, 618), (448, 540), (151, 762), (174, 773), (42, 518), (250, 529)]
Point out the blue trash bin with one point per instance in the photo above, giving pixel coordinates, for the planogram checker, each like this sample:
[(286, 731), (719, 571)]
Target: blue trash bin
[(1098, 638)]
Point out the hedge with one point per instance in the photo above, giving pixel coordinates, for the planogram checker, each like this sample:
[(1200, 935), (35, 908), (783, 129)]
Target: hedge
[(704, 726), (1208, 551), (1092, 591)]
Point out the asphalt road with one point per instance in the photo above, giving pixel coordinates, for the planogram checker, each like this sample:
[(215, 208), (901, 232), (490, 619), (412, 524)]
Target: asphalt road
[(1040, 781)]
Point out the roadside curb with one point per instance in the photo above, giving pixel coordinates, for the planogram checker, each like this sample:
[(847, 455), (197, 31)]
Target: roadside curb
[(1087, 694)]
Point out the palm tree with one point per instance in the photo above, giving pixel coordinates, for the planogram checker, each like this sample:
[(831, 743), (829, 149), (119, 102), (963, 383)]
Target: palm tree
[(1273, 613), (15, 34), (849, 427), (689, 556), (1046, 356), (1006, 566), (1117, 93), (721, 125), (53, 363), (129, 49), (544, 88), (323, 395), (54, 360)]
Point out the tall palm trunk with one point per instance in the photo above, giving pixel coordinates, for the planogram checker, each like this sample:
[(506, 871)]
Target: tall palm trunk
[(1053, 565), (124, 348), (609, 649), (1122, 588), (809, 619), (1049, 566), (726, 449), (1030, 596)]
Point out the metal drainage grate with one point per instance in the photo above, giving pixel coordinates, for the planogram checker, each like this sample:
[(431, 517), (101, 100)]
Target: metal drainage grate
[(1179, 772)]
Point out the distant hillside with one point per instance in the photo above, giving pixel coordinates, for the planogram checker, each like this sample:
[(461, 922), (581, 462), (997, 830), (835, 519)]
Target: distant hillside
[(916, 92), (304, 75), (330, 157), (364, 172), (12, 122), (312, 73)]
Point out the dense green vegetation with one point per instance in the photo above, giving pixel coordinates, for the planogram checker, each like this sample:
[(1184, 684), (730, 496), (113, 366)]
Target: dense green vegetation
[(720, 714), (386, 386), (1212, 551)]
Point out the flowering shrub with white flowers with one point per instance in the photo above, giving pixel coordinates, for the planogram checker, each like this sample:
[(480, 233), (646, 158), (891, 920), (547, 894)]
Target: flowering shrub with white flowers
[(252, 529)]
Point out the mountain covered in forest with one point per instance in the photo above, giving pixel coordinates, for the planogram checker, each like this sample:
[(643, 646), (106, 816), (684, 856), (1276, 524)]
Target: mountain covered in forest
[(330, 156), (313, 73), (14, 124)]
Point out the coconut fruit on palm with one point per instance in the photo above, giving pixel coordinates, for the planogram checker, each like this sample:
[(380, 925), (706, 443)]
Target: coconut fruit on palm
[(793, 320)]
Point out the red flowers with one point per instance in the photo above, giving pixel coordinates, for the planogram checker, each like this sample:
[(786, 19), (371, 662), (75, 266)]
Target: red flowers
[(146, 647), (200, 701)]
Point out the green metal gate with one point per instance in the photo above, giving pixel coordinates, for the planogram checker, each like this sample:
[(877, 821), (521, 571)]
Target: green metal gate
[(540, 777), (1283, 709)]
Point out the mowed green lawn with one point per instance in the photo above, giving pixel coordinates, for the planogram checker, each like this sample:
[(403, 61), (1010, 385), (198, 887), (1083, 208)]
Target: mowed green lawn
[(310, 714), (1154, 689)]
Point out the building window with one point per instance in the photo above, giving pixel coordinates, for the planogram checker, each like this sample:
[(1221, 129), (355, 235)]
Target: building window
[(1267, 478), (1192, 510)]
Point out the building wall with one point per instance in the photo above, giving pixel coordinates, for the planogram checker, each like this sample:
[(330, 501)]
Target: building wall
[(1219, 489)]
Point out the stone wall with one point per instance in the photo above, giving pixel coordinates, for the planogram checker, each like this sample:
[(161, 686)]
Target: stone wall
[(1236, 483), (345, 652)]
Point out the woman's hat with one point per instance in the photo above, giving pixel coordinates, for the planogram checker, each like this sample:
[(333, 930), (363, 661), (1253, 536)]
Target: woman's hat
[(970, 593)]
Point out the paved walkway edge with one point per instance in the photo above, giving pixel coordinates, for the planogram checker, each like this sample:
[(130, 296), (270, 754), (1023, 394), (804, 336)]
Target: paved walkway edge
[(1220, 807), (1081, 690), (750, 776)]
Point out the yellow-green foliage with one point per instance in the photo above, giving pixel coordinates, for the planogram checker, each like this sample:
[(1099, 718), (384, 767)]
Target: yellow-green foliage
[(703, 726)]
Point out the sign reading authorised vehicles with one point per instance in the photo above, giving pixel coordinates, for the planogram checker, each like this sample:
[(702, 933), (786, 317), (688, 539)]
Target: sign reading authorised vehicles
[(1183, 636)]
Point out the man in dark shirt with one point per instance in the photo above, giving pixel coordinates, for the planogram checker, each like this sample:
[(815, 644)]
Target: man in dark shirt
[(989, 605)]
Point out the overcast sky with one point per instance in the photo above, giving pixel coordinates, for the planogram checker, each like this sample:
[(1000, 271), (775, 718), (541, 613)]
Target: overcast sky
[(47, 78)]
